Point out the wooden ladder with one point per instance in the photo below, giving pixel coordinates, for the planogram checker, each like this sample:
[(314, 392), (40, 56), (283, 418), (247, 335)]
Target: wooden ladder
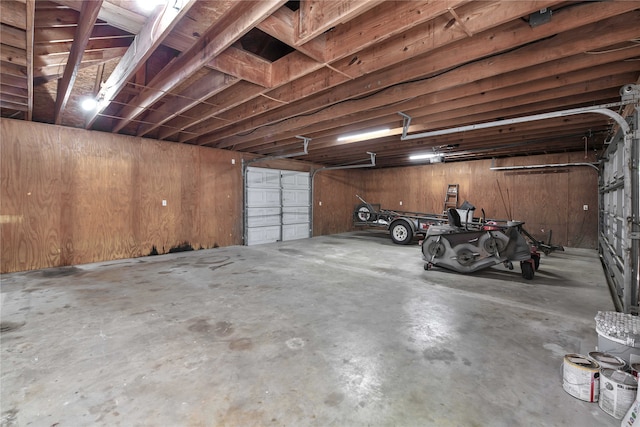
[(450, 198)]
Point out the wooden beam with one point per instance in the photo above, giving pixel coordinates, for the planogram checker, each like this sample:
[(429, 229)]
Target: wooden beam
[(522, 85), (198, 92), (292, 67), (240, 19), (13, 81), (12, 90), (523, 99), (12, 55), (87, 19), (13, 106), (8, 69), (53, 49), (243, 65), (439, 36), (144, 44), (68, 34), (380, 23), (224, 101), (31, 11), (13, 13), (60, 59), (13, 37), (513, 34), (388, 20), (113, 15), (318, 16), (281, 25)]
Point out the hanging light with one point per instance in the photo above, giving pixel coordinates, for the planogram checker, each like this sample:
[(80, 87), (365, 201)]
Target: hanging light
[(432, 157), (422, 156), (363, 136), (89, 104)]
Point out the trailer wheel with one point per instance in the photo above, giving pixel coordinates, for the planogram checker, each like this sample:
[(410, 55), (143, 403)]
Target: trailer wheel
[(364, 213), (401, 232), (536, 260), (527, 269)]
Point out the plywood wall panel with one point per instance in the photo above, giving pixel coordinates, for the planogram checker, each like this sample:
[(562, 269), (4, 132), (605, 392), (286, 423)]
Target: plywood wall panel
[(334, 200), (221, 178), (98, 188), (161, 177), (581, 183), (546, 199), (71, 196), (30, 198)]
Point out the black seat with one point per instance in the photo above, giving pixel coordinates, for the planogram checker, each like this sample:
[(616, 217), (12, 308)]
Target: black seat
[(454, 218)]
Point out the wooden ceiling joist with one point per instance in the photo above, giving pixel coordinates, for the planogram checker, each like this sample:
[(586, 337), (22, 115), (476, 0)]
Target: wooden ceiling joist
[(220, 36), (88, 16), (144, 44), (252, 75)]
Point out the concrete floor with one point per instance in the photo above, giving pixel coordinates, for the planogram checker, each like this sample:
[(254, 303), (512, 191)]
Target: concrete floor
[(343, 330)]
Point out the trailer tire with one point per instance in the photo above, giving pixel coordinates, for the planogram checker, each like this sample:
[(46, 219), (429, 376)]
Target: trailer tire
[(364, 213), (401, 232), (536, 260), (528, 270)]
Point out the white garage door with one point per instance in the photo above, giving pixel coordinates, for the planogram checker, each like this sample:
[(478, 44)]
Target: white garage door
[(276, 205)]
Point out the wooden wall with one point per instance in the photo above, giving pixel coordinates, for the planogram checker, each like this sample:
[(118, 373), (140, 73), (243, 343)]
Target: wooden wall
[(545, 199), (70, 196), (334, 198)]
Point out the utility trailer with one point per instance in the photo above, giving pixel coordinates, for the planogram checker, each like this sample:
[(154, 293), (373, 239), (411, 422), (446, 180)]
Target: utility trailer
[(403, 226)]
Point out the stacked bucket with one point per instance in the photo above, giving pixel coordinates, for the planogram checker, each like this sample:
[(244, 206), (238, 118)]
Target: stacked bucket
[(609, 375)]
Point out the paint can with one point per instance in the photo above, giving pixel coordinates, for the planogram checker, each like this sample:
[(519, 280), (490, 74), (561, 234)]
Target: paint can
[(617, 392), (581, 377), (608, 361)]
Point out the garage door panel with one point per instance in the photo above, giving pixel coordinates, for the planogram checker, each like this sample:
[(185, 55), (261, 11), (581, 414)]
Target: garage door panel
[(296, 180), (299, 215), (261, 235), (295, 197), (295, 231), (263, 178), (260, 217), (263, 197), (276, 199)]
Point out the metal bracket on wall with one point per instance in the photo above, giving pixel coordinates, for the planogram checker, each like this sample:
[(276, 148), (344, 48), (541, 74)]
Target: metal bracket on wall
[(370, 165), (304, 152)]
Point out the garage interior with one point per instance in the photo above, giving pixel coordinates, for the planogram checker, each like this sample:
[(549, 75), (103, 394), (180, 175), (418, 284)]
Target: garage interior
[(178, 184)]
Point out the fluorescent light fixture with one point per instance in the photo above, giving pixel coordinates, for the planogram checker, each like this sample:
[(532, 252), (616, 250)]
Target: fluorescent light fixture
[(89, 104), (363, 136), (423, 156)]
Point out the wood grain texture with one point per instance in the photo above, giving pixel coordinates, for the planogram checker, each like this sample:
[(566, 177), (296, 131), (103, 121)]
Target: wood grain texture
[(71, 196), (545, 199), (30, 193), (337, 191)]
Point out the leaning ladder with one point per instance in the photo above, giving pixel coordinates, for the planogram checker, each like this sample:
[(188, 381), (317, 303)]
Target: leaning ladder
[(450, 198)]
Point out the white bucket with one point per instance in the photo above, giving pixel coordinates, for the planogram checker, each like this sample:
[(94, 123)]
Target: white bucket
[(617, 347), (617, 392), (581, 377), (608, 361)]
